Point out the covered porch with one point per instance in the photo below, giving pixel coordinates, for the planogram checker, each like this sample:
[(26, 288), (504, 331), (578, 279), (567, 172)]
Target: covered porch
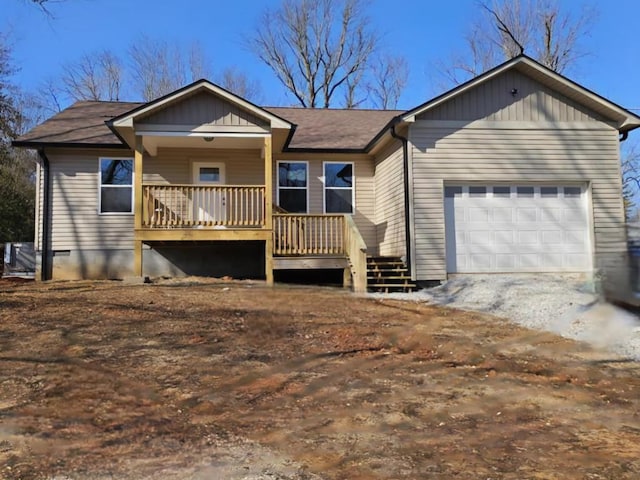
[(204, 172)]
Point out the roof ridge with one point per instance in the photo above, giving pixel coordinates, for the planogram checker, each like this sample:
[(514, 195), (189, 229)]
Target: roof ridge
[(315, 109)]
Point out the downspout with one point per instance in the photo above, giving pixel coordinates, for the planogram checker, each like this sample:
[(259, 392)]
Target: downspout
[(623, 136), (46, 207), (405, 169)]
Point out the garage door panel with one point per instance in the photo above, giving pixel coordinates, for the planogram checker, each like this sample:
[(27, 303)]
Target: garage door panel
[(551, 215), (505, 262), (526, 215), (476, 215), (552, 237), (517, 228)]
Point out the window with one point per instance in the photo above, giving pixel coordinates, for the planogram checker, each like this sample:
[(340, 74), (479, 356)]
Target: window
[(338, 187), (116, 185), (548, 192), (572, 192), (502, 192), (292, 186), (209, 174), (525, 192), (478, 192)]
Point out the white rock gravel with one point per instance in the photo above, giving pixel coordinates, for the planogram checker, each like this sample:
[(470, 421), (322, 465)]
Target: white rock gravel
[(563, 304)]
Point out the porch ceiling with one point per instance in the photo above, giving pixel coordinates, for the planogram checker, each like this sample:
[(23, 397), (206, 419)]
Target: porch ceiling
[(153, 143)]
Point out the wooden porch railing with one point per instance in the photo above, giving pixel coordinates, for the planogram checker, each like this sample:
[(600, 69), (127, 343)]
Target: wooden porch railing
[(356, 251), (189, 206), (295, 234), (300, 235)]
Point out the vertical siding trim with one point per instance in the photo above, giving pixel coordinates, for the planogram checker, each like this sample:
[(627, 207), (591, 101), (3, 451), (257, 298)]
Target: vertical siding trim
[(412, 213)]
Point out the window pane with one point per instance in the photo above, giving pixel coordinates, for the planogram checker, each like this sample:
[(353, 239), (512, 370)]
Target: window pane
[(293, 201), (477, 191), (548, 192), (502, 192), (292, 174), (209, 174), (338, 174), (116, 172), (338, 201), (451, 192), (115, 199), (525, 191), (572, 191)]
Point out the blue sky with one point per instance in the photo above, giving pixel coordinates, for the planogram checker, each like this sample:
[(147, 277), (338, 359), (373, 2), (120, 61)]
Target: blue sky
[(424, 31)]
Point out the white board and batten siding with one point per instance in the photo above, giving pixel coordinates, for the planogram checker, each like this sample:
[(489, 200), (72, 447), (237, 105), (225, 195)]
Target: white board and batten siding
[(389, 201), (537, 137)]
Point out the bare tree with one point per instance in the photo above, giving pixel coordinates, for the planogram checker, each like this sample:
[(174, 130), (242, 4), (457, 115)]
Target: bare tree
[(159, 68), (630, 178), (388, 79), (238, 83), (507, 28), (316, 48), (96, 76)]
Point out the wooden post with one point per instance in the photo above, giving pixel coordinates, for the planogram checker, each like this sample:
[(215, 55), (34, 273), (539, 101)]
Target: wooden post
[(137, 208), (268, 184), (268, 209), (346, 278)]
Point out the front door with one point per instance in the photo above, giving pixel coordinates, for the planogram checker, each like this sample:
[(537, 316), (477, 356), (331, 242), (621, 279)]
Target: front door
[(209, 204)]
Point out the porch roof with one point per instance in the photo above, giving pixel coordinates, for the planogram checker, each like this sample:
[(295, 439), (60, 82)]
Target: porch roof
[(83, 124)]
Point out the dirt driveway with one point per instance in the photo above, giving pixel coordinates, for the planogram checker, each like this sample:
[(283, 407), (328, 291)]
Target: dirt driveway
[(236, 381)]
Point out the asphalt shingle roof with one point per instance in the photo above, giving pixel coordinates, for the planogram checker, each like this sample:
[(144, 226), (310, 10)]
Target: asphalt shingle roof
[(83, 123)]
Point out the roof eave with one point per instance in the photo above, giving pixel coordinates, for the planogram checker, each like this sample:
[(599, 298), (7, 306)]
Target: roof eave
[(37, 145)]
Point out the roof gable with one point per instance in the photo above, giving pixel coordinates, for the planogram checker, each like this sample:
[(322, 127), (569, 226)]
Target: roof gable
[(511, 95), (220, 106), (203, 108), (551, 84)]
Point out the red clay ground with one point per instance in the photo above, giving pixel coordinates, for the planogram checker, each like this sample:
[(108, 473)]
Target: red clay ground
[(210, 380)]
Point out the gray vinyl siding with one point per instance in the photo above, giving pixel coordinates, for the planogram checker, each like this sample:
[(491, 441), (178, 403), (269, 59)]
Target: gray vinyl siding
[(493, 100), (203, 109), (513, 152), (363, 170), (389, 201)]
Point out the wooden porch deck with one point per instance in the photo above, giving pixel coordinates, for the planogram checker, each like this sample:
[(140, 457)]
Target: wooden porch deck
[(240, 213)]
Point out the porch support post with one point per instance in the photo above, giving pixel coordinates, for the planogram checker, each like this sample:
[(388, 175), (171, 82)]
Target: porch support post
[(137, 209), (268, 209)]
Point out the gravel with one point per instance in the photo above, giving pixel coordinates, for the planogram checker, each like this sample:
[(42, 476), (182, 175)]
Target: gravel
[(563, 304)]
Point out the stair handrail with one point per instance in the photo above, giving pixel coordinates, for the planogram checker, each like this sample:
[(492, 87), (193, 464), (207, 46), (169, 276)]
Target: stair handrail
[(356, 251)]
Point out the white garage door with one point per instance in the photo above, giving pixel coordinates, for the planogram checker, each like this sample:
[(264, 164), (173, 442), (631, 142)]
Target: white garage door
[(516, 229)]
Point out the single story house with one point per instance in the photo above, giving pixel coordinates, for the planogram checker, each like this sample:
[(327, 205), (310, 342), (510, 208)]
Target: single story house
[(516, 170)]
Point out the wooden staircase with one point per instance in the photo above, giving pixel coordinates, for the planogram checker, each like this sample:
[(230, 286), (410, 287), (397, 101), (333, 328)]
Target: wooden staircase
[(388, 274)]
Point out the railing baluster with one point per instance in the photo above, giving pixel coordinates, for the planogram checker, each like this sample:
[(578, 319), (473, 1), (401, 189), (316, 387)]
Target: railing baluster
[(166, 206)]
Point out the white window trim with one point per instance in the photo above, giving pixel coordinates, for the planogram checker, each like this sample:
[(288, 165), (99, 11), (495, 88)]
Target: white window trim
[(132, 186), (292, 188), (352, 188)]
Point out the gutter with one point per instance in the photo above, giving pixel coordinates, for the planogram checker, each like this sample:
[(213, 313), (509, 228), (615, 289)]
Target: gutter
[(624, 135), (405, 169), (46, 211)]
